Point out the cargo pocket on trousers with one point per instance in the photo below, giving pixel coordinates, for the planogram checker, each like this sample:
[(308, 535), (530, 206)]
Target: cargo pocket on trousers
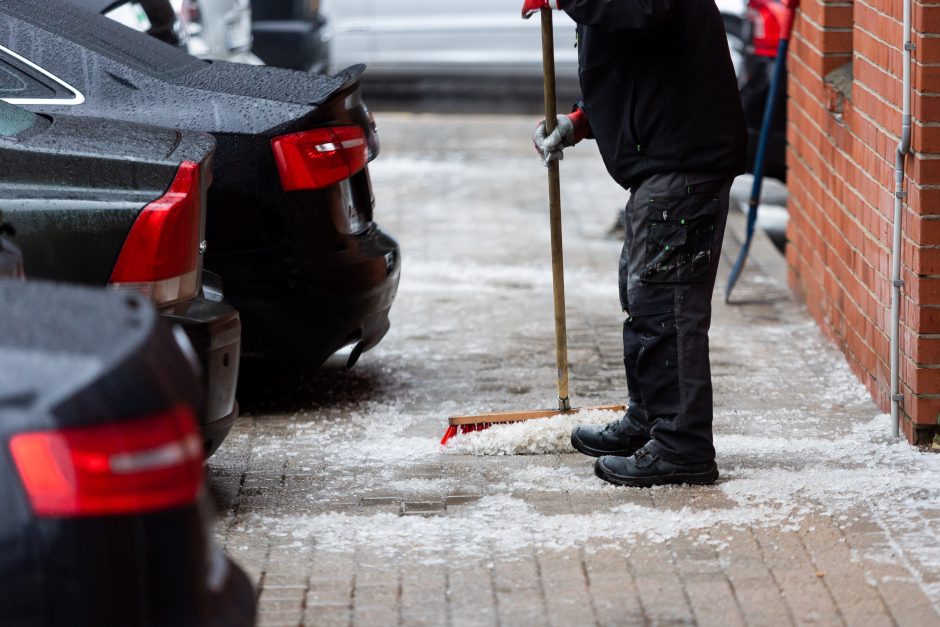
[(680, 239), (653, 323)]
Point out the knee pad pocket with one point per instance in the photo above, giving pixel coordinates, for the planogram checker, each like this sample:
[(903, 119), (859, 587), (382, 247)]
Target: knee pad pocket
[(653, 323)]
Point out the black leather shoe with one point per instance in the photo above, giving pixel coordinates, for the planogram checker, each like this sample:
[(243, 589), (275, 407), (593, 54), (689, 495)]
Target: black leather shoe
[(595, 440), (646, 469)]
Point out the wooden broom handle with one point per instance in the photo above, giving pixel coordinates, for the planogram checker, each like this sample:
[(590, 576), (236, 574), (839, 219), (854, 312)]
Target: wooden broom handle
[(554, 202)]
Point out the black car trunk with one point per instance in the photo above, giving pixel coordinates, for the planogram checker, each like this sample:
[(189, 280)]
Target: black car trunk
[(71, 179)]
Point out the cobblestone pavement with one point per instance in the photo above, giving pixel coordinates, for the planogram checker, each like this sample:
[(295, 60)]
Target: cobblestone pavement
[(337, 500)]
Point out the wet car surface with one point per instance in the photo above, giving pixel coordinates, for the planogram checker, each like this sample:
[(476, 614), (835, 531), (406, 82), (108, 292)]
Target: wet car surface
[(103, 202)]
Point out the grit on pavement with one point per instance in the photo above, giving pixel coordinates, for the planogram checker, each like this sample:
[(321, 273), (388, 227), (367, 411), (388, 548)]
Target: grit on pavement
[(338, 500)]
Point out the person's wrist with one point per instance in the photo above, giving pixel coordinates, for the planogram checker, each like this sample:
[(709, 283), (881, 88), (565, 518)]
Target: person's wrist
[(580, 122)]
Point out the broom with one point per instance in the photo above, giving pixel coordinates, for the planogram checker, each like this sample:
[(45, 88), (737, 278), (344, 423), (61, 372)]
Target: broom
[(467, 424)]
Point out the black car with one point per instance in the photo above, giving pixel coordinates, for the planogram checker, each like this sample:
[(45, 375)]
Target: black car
[(290, 216), (761, 29), (101, 202), (291, 34), (105, 519)]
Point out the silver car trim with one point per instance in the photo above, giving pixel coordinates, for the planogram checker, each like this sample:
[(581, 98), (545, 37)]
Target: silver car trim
[(77, 96)]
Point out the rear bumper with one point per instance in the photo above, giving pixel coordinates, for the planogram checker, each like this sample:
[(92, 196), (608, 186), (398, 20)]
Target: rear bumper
[(155, 568), (214, 328), (309, 316)]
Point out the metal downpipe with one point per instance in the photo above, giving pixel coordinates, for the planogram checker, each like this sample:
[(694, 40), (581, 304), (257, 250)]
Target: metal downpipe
[(897, 281)]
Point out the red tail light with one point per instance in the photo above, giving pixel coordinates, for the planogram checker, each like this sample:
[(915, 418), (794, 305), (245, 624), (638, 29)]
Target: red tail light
[(131, 467), (160, 257), (321, 157)]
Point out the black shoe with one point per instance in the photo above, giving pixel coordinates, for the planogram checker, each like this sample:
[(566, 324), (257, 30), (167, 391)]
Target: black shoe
[(595, 440), (646, 469)]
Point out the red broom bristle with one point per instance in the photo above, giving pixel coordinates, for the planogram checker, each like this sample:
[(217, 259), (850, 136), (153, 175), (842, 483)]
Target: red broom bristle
[(451, 432)]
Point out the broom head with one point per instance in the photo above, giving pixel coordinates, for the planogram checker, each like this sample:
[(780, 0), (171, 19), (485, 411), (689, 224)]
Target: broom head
[(468, 424)]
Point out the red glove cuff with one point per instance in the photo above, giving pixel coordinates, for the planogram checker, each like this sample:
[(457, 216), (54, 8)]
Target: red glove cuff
[(582, 129), (531, 7)]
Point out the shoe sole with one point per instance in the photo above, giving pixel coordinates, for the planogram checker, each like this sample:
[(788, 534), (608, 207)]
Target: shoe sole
[(691, 478), (581, 447)]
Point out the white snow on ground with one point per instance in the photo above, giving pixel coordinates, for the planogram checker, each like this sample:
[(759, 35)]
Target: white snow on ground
[(863, 472), (450, 278), (530, 437)]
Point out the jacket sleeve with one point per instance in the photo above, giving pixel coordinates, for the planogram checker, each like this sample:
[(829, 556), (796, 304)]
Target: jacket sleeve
[(619, 15)]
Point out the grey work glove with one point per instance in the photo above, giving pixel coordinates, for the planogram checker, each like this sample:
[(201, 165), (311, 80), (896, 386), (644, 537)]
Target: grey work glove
[(551, 148)]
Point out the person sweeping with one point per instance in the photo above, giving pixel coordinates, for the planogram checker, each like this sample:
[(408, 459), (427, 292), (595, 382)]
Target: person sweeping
[(659, 97)]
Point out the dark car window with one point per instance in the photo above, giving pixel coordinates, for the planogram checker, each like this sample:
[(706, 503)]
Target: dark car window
[(22, 82), (17, 84), (14, 120)]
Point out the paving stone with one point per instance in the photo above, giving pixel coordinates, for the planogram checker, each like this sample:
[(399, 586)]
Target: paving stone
[(613, 589), (327, 615), (519, 596), (424, 594), (381, 500), (452, 500), (423, 507), (660, 588), (566, 588), (470, 595)]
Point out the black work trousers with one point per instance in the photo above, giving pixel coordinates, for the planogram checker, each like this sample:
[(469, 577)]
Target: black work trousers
[(674, 224)]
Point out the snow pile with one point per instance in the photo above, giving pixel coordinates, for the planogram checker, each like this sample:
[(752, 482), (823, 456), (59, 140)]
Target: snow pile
[(531, 437), (503, 525), (862, 472)]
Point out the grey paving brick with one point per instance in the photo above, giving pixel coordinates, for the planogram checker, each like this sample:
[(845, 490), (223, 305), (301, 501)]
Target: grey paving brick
[(519, 596), (470, 596), (660, 588), (423, 507), (566, 588), (613, 590), (424, 594)]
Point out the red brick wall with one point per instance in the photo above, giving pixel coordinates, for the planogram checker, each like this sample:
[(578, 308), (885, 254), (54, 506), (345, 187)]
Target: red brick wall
[(841, 181)]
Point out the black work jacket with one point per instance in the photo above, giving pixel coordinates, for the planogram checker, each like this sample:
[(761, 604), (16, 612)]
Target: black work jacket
[(659, 87)]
